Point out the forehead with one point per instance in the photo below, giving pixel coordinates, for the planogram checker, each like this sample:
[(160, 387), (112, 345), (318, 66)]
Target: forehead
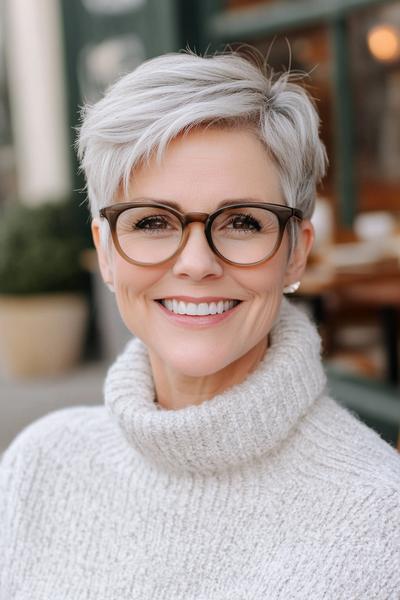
[(206, 166)]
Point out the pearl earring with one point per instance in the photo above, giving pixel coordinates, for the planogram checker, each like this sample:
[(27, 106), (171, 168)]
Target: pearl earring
[(110, 287), (293, 287)]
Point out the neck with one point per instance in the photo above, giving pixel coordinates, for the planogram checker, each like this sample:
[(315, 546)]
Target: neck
[(175, 390), (233, 429)]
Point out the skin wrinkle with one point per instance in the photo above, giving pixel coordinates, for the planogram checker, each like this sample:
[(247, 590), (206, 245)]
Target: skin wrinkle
[(199, 170)]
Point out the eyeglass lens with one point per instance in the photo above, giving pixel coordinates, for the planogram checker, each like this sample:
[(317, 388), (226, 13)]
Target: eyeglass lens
[(242, 235)]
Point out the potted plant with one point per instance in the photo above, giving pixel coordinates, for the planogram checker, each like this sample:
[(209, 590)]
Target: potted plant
[(43, 310)]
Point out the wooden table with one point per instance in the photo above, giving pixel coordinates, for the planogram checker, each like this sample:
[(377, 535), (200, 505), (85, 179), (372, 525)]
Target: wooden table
[(374, 286)]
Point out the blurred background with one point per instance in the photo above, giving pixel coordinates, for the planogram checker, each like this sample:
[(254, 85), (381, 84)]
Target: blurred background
[(59, 327)]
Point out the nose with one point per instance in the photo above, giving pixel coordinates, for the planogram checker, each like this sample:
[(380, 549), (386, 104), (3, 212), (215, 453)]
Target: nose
[(196, 259)]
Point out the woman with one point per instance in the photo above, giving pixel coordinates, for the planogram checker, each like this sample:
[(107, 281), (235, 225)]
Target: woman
[(219, 468)]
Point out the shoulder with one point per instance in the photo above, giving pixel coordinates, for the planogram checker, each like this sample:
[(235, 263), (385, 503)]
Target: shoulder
[(64, 448), (50, 426), (351, 478), (347, 450), (58, 434)]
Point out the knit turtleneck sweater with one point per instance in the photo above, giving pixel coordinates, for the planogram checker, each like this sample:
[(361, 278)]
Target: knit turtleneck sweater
[(269, 490)]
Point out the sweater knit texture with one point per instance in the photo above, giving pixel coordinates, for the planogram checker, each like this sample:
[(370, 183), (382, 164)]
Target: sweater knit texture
[(269, 490)]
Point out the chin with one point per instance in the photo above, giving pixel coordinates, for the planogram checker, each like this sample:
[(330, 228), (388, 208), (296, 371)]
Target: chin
[(195, 362)]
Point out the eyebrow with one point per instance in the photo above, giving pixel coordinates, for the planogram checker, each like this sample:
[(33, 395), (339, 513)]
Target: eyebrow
[(178, 207)]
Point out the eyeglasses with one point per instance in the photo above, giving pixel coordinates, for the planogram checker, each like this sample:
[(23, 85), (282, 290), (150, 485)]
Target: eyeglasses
[(242, 234)]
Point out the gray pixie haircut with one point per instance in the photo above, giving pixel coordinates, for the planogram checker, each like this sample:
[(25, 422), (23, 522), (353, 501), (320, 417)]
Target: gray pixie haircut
[(168, 95)]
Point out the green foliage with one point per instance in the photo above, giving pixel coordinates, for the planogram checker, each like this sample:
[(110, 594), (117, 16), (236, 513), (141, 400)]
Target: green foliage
[(40, 249)]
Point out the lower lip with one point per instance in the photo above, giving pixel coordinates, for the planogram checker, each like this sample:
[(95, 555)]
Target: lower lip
[(200, 320)]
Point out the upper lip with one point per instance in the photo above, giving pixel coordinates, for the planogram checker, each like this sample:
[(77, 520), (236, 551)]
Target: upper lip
[(198, 300)]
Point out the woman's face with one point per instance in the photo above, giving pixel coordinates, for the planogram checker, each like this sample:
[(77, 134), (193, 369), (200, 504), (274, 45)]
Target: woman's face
[(199, 171)]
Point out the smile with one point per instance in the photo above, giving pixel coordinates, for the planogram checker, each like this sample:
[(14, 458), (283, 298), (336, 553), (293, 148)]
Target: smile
[(198, 309)]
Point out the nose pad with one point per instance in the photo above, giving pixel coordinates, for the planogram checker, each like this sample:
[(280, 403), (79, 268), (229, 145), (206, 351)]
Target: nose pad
[(196, 257)]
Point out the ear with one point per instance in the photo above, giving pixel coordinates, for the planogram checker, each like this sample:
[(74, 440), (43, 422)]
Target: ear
[(103, 256), (298, 259)]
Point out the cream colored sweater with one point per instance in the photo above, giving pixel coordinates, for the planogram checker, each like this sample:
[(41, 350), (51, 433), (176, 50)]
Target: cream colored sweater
[(268, 491)]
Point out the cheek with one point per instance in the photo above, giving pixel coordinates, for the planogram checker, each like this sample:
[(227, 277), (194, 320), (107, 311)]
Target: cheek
[(264, 285), (132, 292), (268, 278), (130, 280), (265, 279)]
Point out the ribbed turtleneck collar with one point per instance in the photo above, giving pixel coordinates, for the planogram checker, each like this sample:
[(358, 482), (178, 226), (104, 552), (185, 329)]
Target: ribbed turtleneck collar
[(235, 427)]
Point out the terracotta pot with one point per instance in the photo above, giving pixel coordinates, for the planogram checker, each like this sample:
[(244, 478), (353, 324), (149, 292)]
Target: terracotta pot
[(41, 334)]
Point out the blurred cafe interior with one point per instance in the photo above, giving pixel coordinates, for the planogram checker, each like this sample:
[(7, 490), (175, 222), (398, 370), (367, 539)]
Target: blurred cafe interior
[(58, 54)]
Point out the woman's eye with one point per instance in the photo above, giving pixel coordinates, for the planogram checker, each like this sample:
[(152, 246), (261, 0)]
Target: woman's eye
[(244, 222), (151, 223)]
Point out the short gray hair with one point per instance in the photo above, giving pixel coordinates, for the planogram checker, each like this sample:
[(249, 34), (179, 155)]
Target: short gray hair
[(165, 96)]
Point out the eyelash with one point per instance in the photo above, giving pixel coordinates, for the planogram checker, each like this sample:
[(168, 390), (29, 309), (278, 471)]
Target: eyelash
[(247, 219), (151, 219)]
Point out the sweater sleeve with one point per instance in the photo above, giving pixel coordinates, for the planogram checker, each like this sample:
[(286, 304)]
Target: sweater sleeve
[(19, 468), (376, 558), (23, 481)]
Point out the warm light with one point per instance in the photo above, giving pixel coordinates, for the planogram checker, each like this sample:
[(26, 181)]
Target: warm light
[(384, 42)]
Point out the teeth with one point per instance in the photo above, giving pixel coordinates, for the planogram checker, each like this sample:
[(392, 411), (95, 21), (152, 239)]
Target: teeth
[(191, 307), (169, 304), (213, 308), (203, 308)]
